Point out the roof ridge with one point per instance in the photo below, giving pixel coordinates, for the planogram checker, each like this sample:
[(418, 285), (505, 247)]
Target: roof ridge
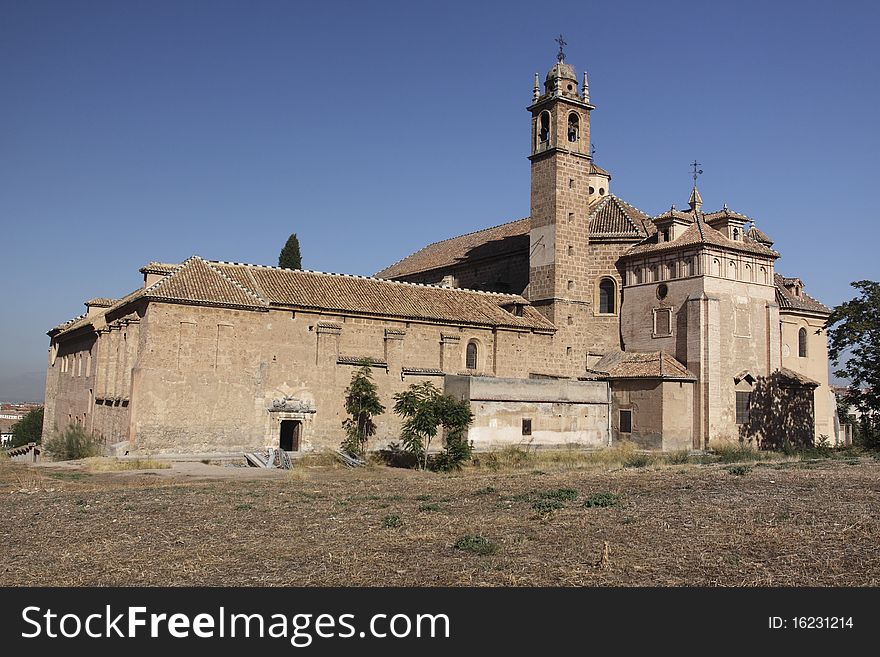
[(454, 237), (372, 278), (186, 264)]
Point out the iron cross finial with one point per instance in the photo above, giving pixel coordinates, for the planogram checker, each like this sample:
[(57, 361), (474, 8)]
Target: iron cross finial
[(562, 42), (697, 171)]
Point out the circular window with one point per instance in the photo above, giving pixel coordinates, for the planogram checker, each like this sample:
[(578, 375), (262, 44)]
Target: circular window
[(569, 87), (592, 190), (601, 191), (662, 291)]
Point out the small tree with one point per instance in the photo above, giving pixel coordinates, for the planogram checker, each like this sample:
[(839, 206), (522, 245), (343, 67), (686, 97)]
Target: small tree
[(425, 409), (289, 258), (29, 429), (361, 404), (854, 335), (73, 443)]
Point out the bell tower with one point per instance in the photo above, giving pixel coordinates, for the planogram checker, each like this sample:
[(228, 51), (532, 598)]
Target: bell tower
[(562, 174)]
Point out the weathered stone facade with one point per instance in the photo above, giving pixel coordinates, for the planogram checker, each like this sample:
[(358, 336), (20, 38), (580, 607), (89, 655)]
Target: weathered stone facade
[(587, 322)]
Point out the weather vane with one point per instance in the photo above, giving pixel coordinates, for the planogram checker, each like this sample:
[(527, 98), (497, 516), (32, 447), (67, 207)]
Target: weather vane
[(593, 150), (697, 171), (562, 42)]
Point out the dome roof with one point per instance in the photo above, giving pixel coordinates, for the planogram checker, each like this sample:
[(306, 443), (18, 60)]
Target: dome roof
[(561, 70)]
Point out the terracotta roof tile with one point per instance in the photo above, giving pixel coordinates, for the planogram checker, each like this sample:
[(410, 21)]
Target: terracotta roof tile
[(700, 233), (609, 217), (256, 287), (489, 242), (726, 213), (759, 236), (613, 217), (642, 365), (788, 301), (83, 320), (100, 302), (361, 294), (196, 281), (798, 378)]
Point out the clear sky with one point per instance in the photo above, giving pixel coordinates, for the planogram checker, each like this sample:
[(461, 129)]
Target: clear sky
[(134, 131)]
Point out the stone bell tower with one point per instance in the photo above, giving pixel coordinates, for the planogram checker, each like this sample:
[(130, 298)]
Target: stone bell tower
[(561, 181)]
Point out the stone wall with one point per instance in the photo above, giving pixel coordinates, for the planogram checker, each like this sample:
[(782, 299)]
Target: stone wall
[(814, 365), (534, 412), (206, 378)]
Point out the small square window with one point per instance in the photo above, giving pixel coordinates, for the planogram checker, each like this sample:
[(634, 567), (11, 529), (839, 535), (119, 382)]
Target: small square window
[(570, 217), (626, 421), (527, 426)]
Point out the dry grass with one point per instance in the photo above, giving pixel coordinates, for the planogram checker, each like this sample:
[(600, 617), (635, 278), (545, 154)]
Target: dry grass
[(106, 464), (790, 523)]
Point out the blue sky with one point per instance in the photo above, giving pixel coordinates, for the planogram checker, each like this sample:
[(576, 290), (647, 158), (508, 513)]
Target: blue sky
[(138, 131)]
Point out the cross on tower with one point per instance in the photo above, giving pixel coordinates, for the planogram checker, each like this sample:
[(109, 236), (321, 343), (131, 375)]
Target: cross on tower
[(697, 171), (561, 56)]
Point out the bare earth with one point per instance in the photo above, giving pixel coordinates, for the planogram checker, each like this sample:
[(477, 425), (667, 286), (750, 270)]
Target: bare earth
[(781, 524)]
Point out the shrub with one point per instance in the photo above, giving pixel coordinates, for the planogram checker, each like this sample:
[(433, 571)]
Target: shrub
[(739, 470), (547, 506), (429, 506), (602, 500), (680, 457), (392, 521), (560, 494), (638, 460), (476, 544), (73, 443)]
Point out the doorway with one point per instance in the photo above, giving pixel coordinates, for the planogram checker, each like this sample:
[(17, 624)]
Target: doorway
[(290, 431)]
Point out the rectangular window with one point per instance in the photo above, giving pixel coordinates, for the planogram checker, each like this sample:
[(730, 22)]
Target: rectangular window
[(662, 322), (743, 402), (527, 426), (626, 421), (570, 217)]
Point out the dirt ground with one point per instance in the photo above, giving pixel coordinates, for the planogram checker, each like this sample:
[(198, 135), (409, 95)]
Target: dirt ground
[(778, 524)]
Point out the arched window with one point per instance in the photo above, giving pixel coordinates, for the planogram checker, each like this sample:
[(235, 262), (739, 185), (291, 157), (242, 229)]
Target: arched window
[(573, 127), (736, 234), (607, 296), (471, 356), (802, 343), (544, 129)]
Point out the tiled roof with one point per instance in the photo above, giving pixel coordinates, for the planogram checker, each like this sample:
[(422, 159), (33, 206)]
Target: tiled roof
[(613, 217), (642, 365), (361, 294), (609, 217), (759, 236), (83, 320), (788, 301), (498, 240), (100, 302), (196, 281), (725, 213), (158, 268), (596, 169), (797, 377), (701, 233), (256, 287)]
